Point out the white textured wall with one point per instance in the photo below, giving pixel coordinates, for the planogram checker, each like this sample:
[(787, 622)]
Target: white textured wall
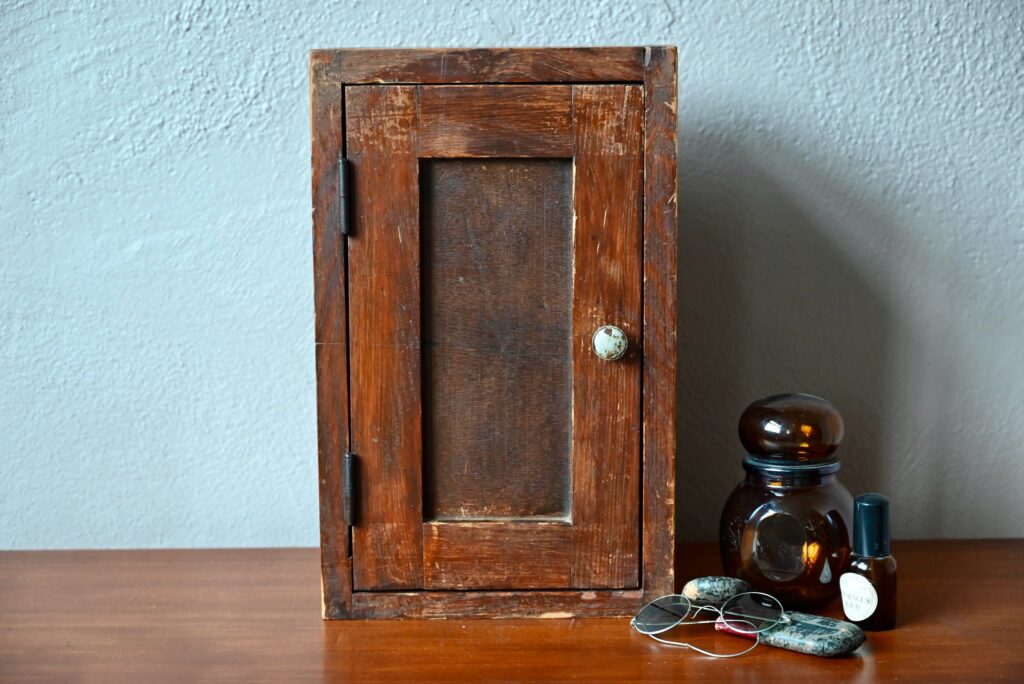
[(852, 216)]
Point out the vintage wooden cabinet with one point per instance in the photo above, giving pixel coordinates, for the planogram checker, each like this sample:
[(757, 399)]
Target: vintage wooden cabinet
[(494, 238)]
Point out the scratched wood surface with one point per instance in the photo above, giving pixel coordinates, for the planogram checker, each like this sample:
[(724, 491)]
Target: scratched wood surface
[(157, 616), (495, 121), (498, 605), (608, 155), (330, 332), (384, 296), (336, 71), (506, 555), (497, 326), (489, 65), (659, 373), (332, 442), (485, 316)]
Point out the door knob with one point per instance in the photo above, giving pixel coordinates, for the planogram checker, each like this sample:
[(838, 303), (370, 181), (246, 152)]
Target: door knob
[(610, 343)]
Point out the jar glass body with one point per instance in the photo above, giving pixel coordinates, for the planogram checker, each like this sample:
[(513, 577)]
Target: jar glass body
[(788, 533)]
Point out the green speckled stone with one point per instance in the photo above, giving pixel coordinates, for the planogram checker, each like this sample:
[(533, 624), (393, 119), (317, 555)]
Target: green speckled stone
[(814, 635), (713, 591)]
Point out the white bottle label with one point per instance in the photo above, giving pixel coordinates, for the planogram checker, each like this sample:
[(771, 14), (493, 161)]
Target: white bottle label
[(859, 596)]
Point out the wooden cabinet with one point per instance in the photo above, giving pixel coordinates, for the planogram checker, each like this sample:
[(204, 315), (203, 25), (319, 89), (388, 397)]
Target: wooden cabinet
[(489, 228)]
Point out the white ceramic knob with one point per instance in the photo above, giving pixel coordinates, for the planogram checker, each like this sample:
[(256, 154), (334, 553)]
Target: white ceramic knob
[(610, 343)]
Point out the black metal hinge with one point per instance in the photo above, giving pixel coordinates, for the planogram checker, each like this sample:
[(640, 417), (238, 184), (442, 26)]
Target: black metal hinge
[(343, 214), (349, 472)]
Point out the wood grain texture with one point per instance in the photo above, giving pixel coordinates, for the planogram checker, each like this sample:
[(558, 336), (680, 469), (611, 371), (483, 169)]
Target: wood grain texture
[(660, 306), (511, 65), (156, 616), (327, 143), (394, 550), (384, 266), (497, 361), (332, 442), (386, 369), (494, 121), (329, 282), (502, 605), (484, 555), (608, 158)]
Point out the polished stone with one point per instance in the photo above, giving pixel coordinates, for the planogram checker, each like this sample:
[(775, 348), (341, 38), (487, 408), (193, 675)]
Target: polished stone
[(713, 590)]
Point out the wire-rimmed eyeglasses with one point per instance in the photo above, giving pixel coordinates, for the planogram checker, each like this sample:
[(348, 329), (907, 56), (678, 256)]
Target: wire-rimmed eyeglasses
[(749, 613)]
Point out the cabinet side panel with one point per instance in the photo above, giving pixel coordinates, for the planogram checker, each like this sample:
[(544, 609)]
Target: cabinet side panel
[(384, 287), (332, 439), (659, 376), (326, 129)]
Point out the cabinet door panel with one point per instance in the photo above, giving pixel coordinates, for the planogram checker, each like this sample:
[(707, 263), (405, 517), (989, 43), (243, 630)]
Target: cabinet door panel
[(495, 229), (497, 337)]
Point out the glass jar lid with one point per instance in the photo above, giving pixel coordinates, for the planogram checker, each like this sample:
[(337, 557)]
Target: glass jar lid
[(791, 432)]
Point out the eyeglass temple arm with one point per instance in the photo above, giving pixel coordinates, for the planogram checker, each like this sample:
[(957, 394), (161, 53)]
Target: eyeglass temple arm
[(683, 644)]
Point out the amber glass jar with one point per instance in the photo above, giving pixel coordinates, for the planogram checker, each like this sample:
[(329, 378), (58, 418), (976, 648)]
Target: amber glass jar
[(785, 528)]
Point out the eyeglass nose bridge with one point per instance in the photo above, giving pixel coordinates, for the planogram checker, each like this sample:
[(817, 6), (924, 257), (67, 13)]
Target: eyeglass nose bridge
[(717, 610)]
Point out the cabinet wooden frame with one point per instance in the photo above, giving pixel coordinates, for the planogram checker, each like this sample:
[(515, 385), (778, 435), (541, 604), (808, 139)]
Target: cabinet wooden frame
[(653, 68)]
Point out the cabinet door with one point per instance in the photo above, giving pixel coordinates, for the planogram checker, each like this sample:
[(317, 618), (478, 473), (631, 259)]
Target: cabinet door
[(495, 229)]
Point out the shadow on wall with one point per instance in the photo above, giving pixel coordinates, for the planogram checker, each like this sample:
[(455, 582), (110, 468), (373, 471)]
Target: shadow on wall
[(769, 303)]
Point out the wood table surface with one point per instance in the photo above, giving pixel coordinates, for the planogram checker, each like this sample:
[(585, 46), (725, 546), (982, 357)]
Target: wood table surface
[(253, 616)]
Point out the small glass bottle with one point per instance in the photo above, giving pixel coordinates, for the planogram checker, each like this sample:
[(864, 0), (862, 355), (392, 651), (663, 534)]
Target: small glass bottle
[(785, 528), (868, 584)]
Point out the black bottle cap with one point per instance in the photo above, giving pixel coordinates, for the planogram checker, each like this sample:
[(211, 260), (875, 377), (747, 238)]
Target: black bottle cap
[(871, 526)]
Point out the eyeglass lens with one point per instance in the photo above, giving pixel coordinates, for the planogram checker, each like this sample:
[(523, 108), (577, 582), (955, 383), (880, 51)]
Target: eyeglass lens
[(662, 614), (752, 612)]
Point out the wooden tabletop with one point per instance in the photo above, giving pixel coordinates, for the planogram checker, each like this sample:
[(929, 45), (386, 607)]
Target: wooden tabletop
[(253, 616)]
